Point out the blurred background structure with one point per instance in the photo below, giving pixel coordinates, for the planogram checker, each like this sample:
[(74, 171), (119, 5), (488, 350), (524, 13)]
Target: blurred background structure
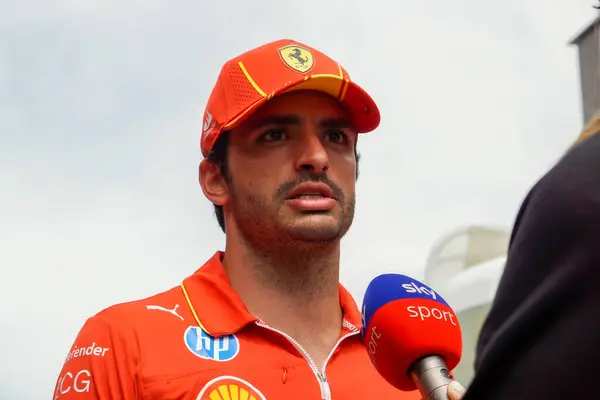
[(465, 267), (588, 47)]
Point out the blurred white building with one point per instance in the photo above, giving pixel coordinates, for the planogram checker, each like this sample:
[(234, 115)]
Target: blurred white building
[(465, 267)]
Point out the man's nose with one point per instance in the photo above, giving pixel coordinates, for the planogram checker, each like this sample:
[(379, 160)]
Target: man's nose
[(311, 154)]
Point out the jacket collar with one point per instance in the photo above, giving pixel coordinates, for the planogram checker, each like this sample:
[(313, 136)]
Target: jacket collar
[(220, 311)]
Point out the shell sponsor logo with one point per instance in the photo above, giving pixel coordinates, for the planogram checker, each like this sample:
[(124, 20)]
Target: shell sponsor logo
[(229, 388)]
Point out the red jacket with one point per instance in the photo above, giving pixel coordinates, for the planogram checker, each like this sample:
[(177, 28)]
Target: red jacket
[(197, 341)]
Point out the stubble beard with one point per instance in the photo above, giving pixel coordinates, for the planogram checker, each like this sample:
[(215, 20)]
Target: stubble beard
[(299, 258)]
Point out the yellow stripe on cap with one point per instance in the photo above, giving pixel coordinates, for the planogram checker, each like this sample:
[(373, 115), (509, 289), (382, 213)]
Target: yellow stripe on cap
[(344, 84), (344, 89), (254, 85)]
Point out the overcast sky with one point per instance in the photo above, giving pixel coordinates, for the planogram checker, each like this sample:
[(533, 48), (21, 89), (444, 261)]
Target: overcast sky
[(101, 110)]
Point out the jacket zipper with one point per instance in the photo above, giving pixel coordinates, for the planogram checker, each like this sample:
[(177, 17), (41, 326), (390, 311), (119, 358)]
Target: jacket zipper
[(319, 373)]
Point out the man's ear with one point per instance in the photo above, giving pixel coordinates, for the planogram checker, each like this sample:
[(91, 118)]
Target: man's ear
[(213, 183)]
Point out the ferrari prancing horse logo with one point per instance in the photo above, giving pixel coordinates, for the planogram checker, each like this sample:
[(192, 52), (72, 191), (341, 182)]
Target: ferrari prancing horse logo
[(297, 57)]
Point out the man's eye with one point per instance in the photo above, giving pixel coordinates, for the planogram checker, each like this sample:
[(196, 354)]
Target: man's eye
[(337, 136), (273, 135)]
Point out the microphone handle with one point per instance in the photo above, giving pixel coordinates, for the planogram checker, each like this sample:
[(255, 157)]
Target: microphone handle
[(432, 377)]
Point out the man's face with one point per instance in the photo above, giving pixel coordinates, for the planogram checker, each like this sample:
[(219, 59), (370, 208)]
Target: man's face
[(292, 171)]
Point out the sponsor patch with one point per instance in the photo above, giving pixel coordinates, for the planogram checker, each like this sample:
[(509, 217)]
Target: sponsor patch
[(203, 345), (77, 382), (92, 350), (229, 387)]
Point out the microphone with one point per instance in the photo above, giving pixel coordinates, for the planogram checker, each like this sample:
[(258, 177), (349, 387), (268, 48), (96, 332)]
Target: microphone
[(412, 335)]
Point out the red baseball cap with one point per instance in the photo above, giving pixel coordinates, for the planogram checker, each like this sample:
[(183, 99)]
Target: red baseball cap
[(252, 78)]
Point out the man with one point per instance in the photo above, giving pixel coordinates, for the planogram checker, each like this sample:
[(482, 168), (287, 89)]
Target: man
[(541, 337), (266, 318)]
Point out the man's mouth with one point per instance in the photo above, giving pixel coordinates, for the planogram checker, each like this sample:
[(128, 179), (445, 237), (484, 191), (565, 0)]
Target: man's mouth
[(312, 197), (309, 196), (311, 190)]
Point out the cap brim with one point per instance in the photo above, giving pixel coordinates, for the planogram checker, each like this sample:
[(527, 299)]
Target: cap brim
[(361, 107)]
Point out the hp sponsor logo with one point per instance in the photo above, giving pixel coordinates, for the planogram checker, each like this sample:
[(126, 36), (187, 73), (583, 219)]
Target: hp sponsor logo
[(224, 348)]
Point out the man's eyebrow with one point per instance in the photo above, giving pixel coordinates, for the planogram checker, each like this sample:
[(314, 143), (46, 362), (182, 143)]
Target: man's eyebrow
[(277, 120), (337, 123), (331, 123)]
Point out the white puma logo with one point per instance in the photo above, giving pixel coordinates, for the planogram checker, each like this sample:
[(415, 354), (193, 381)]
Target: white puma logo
[(173, 311)]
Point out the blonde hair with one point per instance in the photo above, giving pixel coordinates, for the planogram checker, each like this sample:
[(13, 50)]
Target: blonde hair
[(590, 129)]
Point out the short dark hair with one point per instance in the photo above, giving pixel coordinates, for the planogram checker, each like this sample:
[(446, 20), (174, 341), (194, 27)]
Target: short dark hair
[(218, 156)]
